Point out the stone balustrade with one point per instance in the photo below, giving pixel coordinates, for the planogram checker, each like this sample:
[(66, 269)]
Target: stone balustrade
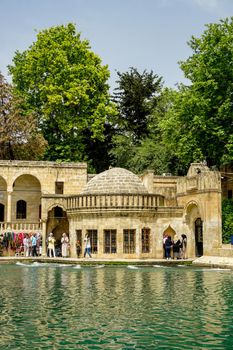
[(20, 226), (114, 201)]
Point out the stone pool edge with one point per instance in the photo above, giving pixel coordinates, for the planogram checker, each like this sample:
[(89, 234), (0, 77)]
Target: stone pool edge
[(92, 261), (204, 261)]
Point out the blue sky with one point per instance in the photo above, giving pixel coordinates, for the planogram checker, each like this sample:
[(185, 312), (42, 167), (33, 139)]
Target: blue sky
[(145, 34)]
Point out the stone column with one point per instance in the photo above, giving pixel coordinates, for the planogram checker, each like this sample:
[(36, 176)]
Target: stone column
[(120, 240), (101, 240), (9, 201), (73, 239), (44, 253), (137, 241)]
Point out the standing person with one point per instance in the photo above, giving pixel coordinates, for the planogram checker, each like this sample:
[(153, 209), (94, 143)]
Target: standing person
[(168, 246), (30, 244), (164, 240), (26, 245), (87, 245), (39, 244), (51, 245), (64, 245), (34, 245), (78, 246), (184, 246), (176, 247)]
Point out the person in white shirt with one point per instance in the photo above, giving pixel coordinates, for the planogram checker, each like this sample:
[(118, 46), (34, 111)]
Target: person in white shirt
[(51, 245), (87, 245), (26, 245), (64, 245)]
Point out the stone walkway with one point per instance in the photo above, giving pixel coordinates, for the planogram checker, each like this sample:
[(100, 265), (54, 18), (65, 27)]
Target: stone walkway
[(209, 261), (214, 261), (93, 261)]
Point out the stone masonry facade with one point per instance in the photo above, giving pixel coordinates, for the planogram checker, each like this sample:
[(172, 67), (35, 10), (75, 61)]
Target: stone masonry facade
[(125, 215)]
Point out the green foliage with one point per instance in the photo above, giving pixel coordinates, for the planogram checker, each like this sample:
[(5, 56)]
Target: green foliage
[(20, 137), (64, 82), (151, 151), (133, 143), (135, 97), (227, 220), (199, 123)]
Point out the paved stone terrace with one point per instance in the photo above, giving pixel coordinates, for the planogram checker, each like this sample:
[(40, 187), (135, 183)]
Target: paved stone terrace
[(208, 261), (92, 261), (214, 261)]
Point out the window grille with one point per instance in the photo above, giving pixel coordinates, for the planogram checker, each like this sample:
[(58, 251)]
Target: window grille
[(110, 246), (145, 240), (94, 240), (21, 209), (59, 187), (129, 241)]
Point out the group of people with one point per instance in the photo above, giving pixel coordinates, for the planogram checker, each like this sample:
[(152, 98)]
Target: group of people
[(27, 244), (64, 245), (177, 246), (32, 245)]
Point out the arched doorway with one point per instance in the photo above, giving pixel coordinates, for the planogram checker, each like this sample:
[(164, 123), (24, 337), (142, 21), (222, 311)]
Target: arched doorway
[(168, 232), (57, 224), (198, 237)]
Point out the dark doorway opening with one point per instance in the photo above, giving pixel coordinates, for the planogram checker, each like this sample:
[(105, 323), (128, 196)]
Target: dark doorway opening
[(1, 212), (199, 237)]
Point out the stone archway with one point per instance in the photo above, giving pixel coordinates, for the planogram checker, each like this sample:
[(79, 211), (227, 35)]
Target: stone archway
[(193, 220), (57, 223), (169, 232), (3, 199), (27, 189)]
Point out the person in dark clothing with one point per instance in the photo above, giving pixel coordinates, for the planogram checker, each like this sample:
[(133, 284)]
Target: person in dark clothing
[(168, 246), (184, 246), (177, 248)]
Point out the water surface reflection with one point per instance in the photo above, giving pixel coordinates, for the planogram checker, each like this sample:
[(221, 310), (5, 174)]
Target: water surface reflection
[(48, 307)]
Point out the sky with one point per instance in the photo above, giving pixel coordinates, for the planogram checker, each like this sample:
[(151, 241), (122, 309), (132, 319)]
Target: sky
[(144, 34)]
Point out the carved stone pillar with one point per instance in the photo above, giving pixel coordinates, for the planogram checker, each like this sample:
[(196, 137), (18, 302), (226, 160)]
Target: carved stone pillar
[(73, 239), (9, 205), (44, 246)]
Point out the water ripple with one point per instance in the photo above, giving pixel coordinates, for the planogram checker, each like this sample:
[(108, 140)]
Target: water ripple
[(115, 308)]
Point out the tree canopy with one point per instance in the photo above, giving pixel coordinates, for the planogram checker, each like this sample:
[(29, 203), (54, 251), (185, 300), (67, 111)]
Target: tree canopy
[(135, 97), (199, 124), (65, 84), (20, 137)]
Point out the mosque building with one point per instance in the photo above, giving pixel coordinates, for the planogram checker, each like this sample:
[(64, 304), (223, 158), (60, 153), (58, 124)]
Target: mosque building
[(125, 215)]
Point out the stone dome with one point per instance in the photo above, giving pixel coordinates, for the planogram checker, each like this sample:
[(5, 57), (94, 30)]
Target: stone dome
[(115, 181)]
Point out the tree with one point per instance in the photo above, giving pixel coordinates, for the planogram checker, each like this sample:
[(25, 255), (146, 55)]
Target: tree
[(150, 152), (20, 137), (199, 124), (136, 97), (227, 220), (63, 81)]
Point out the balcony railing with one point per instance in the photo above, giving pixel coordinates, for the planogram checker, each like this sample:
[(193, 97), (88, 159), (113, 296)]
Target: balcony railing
[(113, 201), (20, 226)]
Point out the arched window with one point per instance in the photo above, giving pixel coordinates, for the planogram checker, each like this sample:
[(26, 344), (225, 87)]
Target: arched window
[(2, 207), (21, 209)]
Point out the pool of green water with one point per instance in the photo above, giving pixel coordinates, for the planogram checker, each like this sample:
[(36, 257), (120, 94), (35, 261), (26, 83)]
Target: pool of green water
[(71, 307)]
